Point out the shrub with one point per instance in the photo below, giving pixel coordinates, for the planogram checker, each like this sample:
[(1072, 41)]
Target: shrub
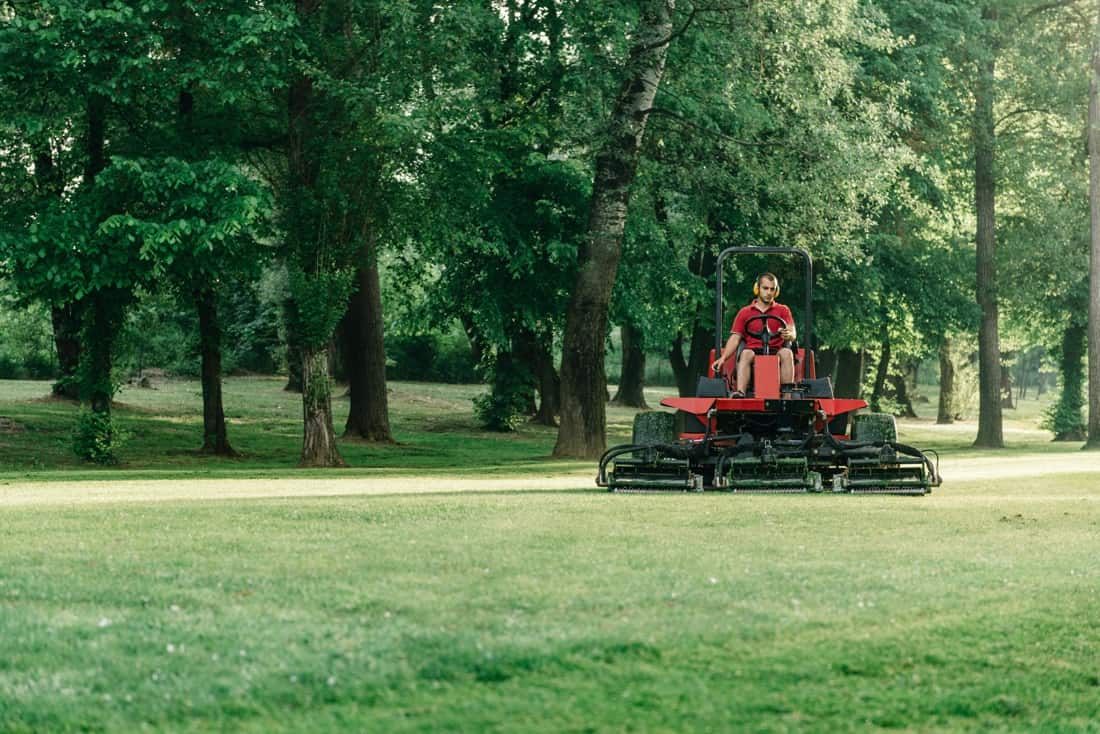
[(430, 358), (96, 438)]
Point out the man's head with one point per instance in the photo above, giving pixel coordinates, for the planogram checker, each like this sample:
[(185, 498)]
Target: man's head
[(766, 287)]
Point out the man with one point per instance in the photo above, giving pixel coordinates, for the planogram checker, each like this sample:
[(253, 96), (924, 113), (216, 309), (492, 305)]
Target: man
[(766, 289)]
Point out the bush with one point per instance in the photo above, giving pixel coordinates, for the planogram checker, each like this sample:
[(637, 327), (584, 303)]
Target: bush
[(430, 358), (26, 350), (96, 438), (504, 407)]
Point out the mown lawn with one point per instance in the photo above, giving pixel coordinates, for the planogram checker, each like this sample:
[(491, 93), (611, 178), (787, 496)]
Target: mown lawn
[(972, 609), (433, 425)]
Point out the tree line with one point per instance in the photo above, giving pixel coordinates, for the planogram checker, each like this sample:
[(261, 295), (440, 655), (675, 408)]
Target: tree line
[(540, 170)]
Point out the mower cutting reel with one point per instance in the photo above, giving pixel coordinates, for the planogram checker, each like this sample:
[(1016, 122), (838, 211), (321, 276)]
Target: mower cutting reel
[(776, 439)]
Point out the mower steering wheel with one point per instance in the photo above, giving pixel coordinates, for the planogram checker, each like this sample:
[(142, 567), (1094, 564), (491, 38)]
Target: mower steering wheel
[(764, 334)]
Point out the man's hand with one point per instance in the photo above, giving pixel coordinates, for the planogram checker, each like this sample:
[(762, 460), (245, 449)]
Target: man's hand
[(787, 332), (717, 364)]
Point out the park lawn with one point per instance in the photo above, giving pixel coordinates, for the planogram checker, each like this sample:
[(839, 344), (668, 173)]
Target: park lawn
[(433, 424), (972, 609), (434, 427)]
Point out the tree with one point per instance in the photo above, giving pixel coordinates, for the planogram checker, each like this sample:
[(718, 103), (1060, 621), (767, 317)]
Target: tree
[(1093, 433), (348, 75), (583, 380), (984, 139)]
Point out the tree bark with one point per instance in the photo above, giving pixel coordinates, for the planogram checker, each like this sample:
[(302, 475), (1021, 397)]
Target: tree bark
[(688, 370), (1006, 382), (681, 372), (215, 439), (1093, 441), (849, 374), (903, 397), (583, 381), (308, 212), (102, 324), (318, 435), (631, 390), (365, 358), (95, 137), (64, 318), (825, 363), (989, 353), (533, 352), (548, 383), (66, 340), (945, 411), (880, 375), (1067, 411)]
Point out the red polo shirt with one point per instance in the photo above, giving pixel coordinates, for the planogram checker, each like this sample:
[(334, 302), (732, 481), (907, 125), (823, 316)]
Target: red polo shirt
[(751, 342)]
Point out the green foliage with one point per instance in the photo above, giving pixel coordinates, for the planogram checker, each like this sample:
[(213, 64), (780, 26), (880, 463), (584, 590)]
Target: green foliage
[(504, 407), (1065, 418), (430, 358), (97, 438), (26, 348), (321, 298)]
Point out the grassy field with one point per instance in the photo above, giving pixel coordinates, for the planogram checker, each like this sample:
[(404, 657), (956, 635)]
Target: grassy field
[(972, 609)]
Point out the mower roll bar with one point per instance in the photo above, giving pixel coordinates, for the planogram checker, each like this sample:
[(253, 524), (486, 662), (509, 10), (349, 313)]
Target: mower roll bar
[(809, 271)]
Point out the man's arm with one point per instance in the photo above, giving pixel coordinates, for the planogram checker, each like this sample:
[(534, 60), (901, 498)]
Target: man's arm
[(789, 333), (727, 351)]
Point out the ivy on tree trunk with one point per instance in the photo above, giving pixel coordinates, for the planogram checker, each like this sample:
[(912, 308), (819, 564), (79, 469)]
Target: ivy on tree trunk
[(318, 436)]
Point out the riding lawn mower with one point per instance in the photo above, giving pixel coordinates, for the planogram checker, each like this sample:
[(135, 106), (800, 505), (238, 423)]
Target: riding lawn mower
[(778, 438)]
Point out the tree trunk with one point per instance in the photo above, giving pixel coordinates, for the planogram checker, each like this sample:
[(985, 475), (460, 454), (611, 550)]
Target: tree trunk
[(945, 412), (583, 381), (688, 370), (214, 437), (631, 391), (849, 374), (316, 249), (1006, 382), (825, 363), (293, 347), (318, 436), (66, 340), (102, 325), (533, 352), (65, 318), (95, 140), (902, 395), (989, 352), (681, 370), (1093, 442), (549, 384), (365, 358), (1066, 413), (880, 375)]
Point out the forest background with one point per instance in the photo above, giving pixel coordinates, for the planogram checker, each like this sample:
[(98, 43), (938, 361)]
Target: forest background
[(501, 190)]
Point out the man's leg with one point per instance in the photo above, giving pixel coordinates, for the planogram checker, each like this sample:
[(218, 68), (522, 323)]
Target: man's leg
[(744, 369), (786, 366)]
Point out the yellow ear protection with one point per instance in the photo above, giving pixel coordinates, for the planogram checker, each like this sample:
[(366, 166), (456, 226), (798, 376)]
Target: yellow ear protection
[(756, 284)]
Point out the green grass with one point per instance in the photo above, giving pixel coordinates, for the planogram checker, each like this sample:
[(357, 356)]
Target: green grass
[(555, 612), (973, 609), (433, 425)]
